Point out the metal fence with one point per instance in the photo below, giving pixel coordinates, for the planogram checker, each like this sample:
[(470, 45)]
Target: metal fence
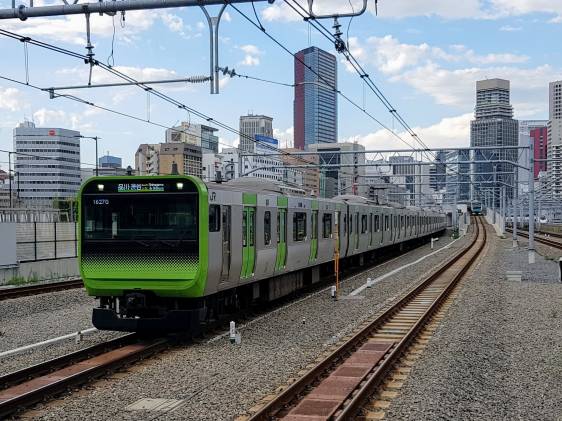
[(46, 240)]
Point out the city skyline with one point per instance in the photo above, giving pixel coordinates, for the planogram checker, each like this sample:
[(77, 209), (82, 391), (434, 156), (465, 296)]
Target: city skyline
[(404, 48)]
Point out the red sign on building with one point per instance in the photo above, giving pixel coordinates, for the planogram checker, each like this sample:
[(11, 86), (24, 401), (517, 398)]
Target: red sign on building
[(52, 132)]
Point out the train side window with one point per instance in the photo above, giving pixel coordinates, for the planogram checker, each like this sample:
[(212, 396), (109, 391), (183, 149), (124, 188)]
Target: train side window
[(278, 226), (363, 224), (252, 227), (314, 233), (377, 223), (386, 222), (214, 218), (327, 225), (345, 224), (267, 228), (299, 226), (350, 224), (244, 230)]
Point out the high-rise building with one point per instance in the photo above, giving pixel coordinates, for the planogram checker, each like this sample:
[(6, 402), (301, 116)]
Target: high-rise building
[(438, 171), (540, 142), (183, 158), (107, 165), (539, 135), (315, 105), (47, 164), (194, 134), (458, 176), (109, 161), (252, 125), (493, 126), (413, 176), (554, 167), (341, 173), (147, 159), (166, 158), (311, 175)]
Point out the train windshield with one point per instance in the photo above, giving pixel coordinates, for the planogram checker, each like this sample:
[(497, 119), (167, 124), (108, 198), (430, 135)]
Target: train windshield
[(163, 217)]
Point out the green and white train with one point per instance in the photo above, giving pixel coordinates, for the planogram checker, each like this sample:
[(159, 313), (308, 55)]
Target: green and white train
[(163, 253)]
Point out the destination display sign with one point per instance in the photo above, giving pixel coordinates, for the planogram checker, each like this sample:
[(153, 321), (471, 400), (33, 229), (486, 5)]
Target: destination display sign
[(140, 187)]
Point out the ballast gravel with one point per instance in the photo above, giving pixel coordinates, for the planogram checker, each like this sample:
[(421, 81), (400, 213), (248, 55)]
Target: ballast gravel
[(498, 353), (32, 319), (218, 381)]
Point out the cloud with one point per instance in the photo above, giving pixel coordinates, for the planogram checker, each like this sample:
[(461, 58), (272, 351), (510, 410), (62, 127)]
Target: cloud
[(11, 99), (50, 117), (447, 9), (523, 7), (391, 56), (442, 8), (72, 29), (251, 55), (285, 137), (509, 28), (280, 12), (449, 132), (456, 87), (448, 74)]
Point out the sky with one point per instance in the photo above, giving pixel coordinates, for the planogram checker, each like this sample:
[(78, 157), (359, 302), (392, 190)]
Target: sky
[(425, 56)]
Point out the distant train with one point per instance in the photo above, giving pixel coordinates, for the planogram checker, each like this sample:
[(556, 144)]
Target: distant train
[(476, 207), (163, 253)]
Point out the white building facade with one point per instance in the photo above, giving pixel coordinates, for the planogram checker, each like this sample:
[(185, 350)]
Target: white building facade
[(47, 164), (554, 154)]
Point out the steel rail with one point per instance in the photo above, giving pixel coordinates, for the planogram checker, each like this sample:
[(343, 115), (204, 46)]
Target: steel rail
[(37, 370), (542, 240), (72, 370), (9, 293), (278, 406)]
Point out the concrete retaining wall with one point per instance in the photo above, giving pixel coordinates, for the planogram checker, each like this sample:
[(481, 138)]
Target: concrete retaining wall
[(40, 270)]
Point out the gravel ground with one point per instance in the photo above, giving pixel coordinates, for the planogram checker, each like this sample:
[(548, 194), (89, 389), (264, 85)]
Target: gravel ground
[(27, 320), (218, 381), (498, 353)]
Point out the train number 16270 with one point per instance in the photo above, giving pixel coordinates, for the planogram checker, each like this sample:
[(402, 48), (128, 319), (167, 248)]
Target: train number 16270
[(101, 201)]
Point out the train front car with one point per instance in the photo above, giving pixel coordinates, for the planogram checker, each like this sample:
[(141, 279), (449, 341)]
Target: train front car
[(143, 251)]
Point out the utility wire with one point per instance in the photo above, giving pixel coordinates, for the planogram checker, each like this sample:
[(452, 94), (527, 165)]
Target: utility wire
[(366, 79), (129, 79), (327, 83), (358, 68), (121, 114)]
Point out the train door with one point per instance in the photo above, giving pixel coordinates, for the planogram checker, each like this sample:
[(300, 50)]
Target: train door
[(226, 223), (314, 236), (248, 241), (371, 229), (281, 259), (357, 230)]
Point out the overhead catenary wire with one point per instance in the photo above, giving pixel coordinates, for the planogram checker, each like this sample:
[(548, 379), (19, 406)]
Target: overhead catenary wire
[(130, 79), (116, 112), (325, 82), (365, 78)]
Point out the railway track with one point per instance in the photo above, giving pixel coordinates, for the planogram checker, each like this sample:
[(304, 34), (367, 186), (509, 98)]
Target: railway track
[(8, 293), (23, 388), (539, 239), (339, 386)]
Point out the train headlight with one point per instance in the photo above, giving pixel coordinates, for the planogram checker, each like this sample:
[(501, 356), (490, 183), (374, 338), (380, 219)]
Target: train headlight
[(179, 186), (100, 187)]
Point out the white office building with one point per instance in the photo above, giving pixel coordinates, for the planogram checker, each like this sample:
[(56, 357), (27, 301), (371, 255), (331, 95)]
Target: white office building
[(194, 134), (252, 125), (554, 166), (47, 164)]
